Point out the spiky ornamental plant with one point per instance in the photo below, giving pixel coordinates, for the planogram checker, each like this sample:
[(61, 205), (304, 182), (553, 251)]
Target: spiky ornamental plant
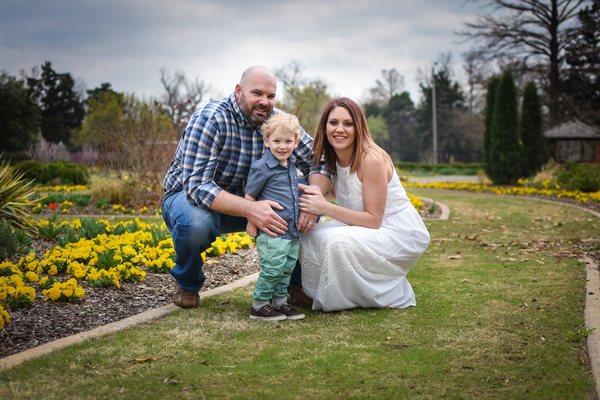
[(535, 152), (15, 200), (505, 145), (489, 115)]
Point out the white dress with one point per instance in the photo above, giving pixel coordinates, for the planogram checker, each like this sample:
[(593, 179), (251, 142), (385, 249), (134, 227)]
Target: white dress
[(347, 266)]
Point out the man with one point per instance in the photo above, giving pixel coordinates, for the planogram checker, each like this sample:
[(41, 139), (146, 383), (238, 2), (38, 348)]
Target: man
[(204, 186)]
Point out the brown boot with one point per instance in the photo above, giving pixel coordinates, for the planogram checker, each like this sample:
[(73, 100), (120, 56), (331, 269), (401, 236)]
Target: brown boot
[(298, 298), (185, 299)]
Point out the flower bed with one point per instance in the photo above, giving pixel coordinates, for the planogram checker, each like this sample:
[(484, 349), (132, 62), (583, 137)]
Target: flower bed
[(581, 197), (94, 253), (76, 200)]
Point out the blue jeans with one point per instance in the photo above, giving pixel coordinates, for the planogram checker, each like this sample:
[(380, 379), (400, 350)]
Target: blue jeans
[(193, 229)]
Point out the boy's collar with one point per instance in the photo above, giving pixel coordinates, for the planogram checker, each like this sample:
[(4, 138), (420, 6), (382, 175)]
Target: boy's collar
[(272, 162)]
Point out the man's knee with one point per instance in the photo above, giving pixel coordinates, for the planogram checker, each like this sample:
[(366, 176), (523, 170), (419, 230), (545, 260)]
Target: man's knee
[(197, 230)]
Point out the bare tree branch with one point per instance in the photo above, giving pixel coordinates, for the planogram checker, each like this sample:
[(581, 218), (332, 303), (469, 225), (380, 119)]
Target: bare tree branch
[(181, 96), (537, 30)]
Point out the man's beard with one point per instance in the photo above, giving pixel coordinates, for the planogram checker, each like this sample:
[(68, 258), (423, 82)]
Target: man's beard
[(254, 120)]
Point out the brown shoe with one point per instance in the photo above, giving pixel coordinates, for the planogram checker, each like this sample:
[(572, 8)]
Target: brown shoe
[(185, 299), (298, 298), (266, 313), (290, 312)]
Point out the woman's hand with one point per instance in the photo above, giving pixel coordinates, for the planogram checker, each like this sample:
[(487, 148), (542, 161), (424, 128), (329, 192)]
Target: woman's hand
[(251, 230), (312, 200)]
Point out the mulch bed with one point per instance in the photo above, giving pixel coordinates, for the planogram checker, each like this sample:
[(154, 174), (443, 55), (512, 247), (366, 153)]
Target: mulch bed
[(45, 321)]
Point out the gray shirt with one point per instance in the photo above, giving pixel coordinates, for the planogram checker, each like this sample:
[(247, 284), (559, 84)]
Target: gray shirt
[(269, 180)]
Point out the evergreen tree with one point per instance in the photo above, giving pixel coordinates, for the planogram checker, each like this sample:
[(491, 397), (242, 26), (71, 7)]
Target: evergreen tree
[(62, 107), (535, 152), (581, 86), (489, 116), (19, 116), (403, 144), (505, 146)]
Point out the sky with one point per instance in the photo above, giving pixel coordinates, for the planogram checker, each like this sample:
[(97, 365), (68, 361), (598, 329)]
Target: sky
[(346, 43)]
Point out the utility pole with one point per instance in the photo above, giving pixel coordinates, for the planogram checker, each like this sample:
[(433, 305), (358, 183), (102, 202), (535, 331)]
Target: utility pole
[(434, 116)]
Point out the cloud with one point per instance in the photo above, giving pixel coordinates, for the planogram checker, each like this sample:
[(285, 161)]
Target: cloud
[(346, 43)]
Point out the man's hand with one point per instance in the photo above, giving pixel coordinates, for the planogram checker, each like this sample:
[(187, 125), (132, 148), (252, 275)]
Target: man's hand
[(306, 221), (261, 215)]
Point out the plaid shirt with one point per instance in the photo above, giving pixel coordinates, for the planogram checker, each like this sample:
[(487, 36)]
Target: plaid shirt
[(216, 150)]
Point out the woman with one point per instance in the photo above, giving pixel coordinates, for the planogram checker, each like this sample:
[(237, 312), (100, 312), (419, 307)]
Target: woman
[(362, 256)]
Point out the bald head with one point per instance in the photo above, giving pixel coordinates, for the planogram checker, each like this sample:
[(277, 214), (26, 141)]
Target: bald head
[(255, 93), (257, 71)]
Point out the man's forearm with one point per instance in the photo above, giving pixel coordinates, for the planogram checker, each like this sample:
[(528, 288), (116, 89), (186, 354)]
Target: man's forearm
[(230, 204)]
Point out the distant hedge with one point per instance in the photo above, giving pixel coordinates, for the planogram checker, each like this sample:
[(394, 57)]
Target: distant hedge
[(58, 172), (442, 169)]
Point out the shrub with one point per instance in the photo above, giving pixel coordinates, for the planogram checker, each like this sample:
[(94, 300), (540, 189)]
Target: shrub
[(441, 169), (113, 191), (55, 172), (12, 242), (82, 200), (15, 202), (579, 176)]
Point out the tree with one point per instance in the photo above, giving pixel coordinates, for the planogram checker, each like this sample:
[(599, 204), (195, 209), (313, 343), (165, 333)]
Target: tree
[(581, 87), (378, 128), (95, 93), (306, 103), (62, 107), (181, 97), (390, 84), (106, 111), (19, 115), (302, 97), (488, 119), (505, 147), (532, 30), (132, 138), (453, 144), (535, 152), (403, 143), (477, 71)]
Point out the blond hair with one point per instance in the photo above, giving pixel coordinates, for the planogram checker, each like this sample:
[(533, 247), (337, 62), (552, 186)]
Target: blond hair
[(282, 121)]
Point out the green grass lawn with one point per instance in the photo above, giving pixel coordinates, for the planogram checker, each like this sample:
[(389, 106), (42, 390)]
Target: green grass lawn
[(499, 315)]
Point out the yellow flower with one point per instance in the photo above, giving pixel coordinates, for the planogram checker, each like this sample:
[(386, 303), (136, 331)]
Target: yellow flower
[(31, 276), (4, 317)]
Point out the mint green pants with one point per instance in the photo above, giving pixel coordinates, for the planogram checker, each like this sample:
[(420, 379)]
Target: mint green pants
[(277, 259)]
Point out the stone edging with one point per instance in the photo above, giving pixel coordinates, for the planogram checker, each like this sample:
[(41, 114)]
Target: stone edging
[(146, 316), (592, 318), (444, 216)]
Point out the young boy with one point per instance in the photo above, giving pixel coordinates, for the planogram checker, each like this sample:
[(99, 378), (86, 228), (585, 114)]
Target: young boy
[(274, 177)]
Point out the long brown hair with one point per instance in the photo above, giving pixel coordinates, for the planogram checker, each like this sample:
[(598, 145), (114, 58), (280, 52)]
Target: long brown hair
[(363, 142)]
